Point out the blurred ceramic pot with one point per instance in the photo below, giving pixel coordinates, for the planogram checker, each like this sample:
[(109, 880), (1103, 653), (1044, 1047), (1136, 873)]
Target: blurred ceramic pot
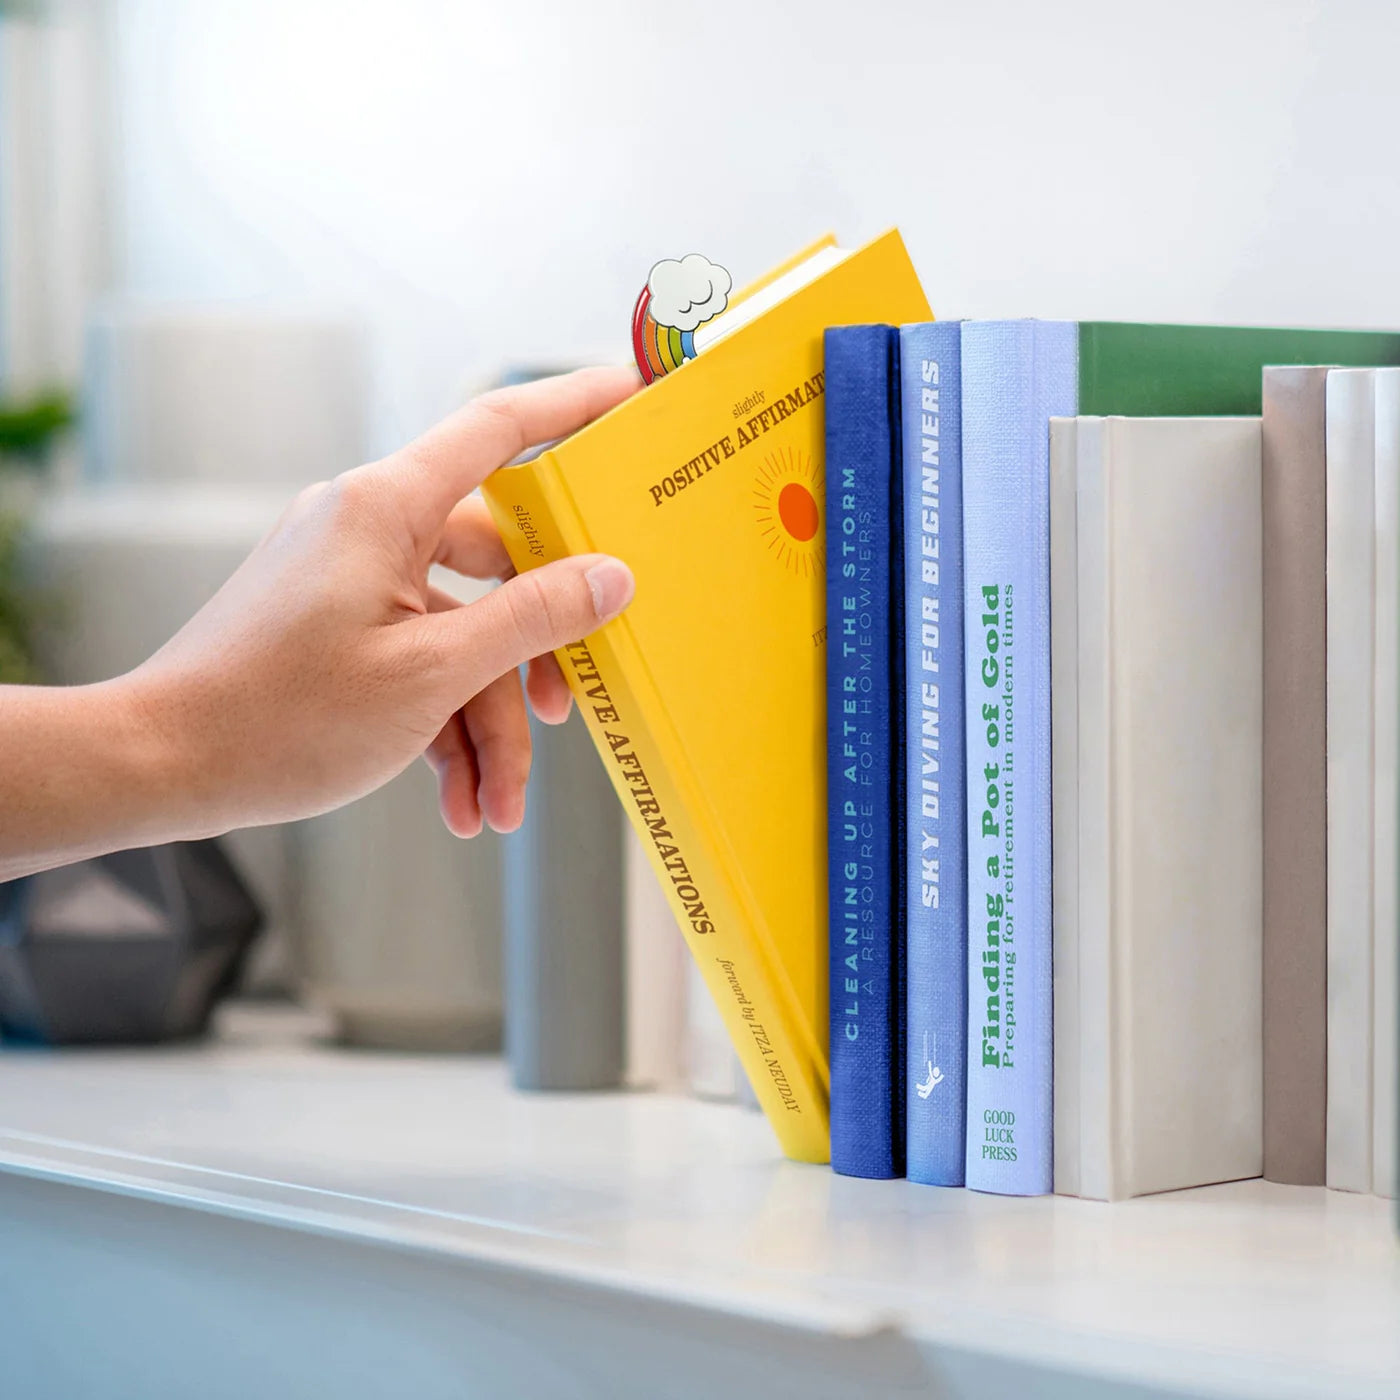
[(402, 921)]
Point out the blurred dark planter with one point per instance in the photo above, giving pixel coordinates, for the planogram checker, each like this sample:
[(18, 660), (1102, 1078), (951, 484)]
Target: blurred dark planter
[(128, 948)]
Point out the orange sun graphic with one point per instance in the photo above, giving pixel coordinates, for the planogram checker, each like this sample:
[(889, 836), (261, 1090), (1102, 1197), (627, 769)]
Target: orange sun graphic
[(787, 495)]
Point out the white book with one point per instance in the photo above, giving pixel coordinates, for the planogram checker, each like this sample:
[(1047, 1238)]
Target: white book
[(1386, 804), (1157, 732), (1064, 811), (657, 958), (1351, 620), (712, 1068)]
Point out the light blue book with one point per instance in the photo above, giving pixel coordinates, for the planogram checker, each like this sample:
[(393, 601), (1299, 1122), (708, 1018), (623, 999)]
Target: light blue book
[(1016, 376), (935, 867)]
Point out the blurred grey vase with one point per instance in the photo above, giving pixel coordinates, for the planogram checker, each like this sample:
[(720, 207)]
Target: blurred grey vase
[(402, 921), (565, 960)]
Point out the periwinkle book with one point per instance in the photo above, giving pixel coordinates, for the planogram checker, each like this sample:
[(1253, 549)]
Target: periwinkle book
[(1016, 376), (864, 774), (935, 856)]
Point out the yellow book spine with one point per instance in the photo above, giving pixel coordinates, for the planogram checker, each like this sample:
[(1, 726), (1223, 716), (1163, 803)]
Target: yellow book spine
[(535, 515)]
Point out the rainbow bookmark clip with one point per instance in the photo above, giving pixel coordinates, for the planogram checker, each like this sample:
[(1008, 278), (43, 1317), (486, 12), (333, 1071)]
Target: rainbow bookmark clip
[(672, 321)]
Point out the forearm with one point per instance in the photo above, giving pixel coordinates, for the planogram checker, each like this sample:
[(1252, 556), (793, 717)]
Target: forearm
[(85, 769)]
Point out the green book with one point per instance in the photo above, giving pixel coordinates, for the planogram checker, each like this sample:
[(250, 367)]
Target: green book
[(1141, 370)]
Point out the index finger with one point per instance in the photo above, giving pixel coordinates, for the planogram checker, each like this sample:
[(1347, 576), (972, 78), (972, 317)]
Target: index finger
[(453, 458)]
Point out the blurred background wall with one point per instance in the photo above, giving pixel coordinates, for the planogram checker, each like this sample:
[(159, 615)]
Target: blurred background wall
[(491, 181)]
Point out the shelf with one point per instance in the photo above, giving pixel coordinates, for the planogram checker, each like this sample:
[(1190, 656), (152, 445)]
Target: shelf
[(595, 1211)]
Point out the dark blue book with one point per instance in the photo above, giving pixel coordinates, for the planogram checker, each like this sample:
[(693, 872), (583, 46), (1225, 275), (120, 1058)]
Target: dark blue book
[(865, 809), (935, 860)]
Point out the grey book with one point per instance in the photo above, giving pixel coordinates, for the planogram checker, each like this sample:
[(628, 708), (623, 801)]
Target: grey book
[(564, 916), (1295, 774)]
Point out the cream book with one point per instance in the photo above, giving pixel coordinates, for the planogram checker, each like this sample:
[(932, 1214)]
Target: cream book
[(657, 965), (711, 1066), (1156, 720)]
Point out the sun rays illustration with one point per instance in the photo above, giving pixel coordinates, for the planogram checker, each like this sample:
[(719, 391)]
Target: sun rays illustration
[(787, 496)]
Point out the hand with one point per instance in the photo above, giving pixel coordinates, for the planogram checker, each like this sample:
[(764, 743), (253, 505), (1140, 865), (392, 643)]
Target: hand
[(328, 663)]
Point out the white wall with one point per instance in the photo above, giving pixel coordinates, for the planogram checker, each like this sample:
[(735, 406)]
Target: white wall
[(493, 181)]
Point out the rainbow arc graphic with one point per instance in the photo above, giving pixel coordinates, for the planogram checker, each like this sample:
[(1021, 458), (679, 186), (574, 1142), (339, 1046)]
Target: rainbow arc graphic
[(677, 313), (658, 349)]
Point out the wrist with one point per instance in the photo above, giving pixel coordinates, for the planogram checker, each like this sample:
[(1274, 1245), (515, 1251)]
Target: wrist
[(172, 788), (89, 769)]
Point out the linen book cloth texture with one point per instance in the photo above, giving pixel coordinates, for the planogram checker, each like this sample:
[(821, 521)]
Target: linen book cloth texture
[(1294, 495), (935, 874), (864, 749), (1016, 376)]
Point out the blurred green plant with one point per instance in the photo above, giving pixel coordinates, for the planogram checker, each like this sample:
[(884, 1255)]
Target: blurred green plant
[(27, 430), (19, 608), (28, 427)]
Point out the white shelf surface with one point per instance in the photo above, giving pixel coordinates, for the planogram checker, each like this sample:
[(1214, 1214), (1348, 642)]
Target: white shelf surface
[(1248, 1289)]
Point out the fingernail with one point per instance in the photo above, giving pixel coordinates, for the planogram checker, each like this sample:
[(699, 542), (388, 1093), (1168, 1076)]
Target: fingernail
[(610, 582)]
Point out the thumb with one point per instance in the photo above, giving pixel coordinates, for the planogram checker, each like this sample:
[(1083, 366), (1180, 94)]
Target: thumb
[(533, 613)]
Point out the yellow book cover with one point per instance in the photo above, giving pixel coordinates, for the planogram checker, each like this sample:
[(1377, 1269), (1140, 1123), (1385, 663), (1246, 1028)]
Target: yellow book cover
[(706, 698)]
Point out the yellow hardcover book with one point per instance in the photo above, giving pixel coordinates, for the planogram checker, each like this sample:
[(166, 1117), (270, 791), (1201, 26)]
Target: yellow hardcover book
[(706, 698)]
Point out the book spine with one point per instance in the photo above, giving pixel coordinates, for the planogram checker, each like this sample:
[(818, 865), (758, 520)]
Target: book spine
[(656, 968), (712, 1067), (935, 864), (1351, 516), (1386, 961), (1095, 849), (1294, 511), (536, 517), (1071, 1068), (864, 766), (1015, 377)]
